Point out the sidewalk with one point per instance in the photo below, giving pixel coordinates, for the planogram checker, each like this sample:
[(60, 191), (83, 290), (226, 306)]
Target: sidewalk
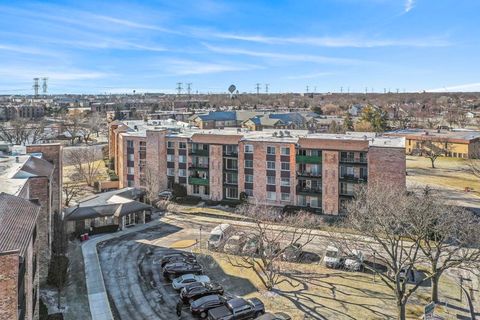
[(97, 294)]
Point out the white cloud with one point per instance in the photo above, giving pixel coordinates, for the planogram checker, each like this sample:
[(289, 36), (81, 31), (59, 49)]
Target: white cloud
[(409, 4), (472, 87), (336, 42), (54, 74), (309, 76), (190, 67), (282, 56)]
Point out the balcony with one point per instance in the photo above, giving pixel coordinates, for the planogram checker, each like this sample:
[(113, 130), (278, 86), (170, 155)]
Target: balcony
[(308, 174), (198, 152), (361, 160), (308, 190), (308, 159), (198, 166), (198, 181)]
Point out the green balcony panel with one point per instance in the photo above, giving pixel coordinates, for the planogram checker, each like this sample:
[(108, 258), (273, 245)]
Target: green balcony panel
[(199, 152), (309, 159), (198, 181)]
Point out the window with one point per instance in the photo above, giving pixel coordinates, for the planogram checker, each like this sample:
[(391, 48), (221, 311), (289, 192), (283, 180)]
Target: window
[(196, 189), (271, 165), (271, 196), (129, 143), (206, 190), (248, 163), (285, 182), (182, 172), (182, 159), (231, 178), (271, 180), (249, 192), (285, 166), (248, 148), (270, 150), (182, 145), (131, 157), (170, 172), (170, 157), (285, 151), (170, 144), (249, 178), (231, 193), (231, 164), (285, 196), (130, 170)]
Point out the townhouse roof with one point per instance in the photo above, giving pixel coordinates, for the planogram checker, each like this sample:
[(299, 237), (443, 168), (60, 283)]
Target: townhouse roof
[(219, 116), (18, 218)]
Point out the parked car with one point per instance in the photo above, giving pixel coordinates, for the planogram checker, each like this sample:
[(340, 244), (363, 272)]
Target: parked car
[(176, 269), (201, 306), (198, 290), (250, 247), (218, 236), (292, 252), (178, 257), (275, 316), (354, 261), (333, 258), (182, 281), (238, 308), (234, 244)]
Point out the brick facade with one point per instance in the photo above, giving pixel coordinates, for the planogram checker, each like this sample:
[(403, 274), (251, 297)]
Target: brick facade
[(8, 285)]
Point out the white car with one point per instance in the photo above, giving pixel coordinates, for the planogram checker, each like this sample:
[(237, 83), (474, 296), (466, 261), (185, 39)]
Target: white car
[(354, 262), (186, 279), (333, 258)]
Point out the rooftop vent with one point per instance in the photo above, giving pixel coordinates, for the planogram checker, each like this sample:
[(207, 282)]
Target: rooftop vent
[(281, 134), (275, 134)]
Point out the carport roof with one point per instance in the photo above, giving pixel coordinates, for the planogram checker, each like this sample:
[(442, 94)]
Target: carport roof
[(116, 203)]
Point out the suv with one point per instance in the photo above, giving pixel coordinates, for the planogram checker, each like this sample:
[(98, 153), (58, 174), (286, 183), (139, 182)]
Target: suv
[(238, 308), (201, 306), (199, 289), (176, 269)]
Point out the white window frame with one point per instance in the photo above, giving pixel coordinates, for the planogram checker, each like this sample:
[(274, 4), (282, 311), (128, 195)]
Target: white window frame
[(283, 151), (248, 148), (270, 182), (271, 196), (270, 148), (285, 182), (281, 166), (270, 168)]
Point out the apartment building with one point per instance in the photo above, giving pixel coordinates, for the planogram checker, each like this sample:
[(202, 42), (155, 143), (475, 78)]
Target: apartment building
[(19, 282), (274, 167), (34, 173)]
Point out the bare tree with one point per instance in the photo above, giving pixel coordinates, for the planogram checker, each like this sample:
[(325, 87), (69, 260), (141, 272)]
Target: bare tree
[(433, 149), (86, 162), (71, 188), (58, 270), (150, 180), (380, 216), (22, 131), (449, 236), (273, 235), (73, 126)]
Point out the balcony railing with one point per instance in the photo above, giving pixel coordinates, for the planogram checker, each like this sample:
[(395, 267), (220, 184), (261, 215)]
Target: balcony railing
[(198, 181), (309, 174), (309, 190), (353, 178), (198, 166), (348, 193), (230, 154), (308, 159), (198, 152), (361, 160)]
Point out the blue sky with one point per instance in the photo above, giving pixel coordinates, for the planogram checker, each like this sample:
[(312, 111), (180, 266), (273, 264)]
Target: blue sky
[(98, 46)]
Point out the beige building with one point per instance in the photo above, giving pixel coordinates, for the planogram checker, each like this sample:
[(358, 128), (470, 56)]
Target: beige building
[(273, 167)]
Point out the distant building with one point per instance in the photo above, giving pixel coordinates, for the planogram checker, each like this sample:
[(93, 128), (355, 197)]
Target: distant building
[(456, 144), (19, 246), (273, 167)]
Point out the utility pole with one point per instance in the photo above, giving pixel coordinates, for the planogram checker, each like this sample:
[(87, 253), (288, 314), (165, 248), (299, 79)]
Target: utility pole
[(257, 86), (179, 88), (266, 87)]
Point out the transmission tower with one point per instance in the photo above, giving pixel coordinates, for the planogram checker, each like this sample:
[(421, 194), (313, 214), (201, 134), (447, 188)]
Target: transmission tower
[(307, 89), (341, 89), (36, 86), (44, 85), (257, 86), (179, 88), (189, 88), (266, 87)]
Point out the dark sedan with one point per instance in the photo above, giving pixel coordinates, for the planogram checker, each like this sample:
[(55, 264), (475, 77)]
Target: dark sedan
[(201, 306), (178, 257), (193, 292), (176, 269)]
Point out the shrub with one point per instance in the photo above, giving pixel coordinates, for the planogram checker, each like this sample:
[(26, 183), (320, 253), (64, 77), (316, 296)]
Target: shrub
[(179, 190), (104, 229), (188, 200), (43, 310), (57, 271)]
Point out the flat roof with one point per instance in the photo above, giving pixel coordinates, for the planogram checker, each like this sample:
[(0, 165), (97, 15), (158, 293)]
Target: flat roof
[(441, 134), (12, 183)]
